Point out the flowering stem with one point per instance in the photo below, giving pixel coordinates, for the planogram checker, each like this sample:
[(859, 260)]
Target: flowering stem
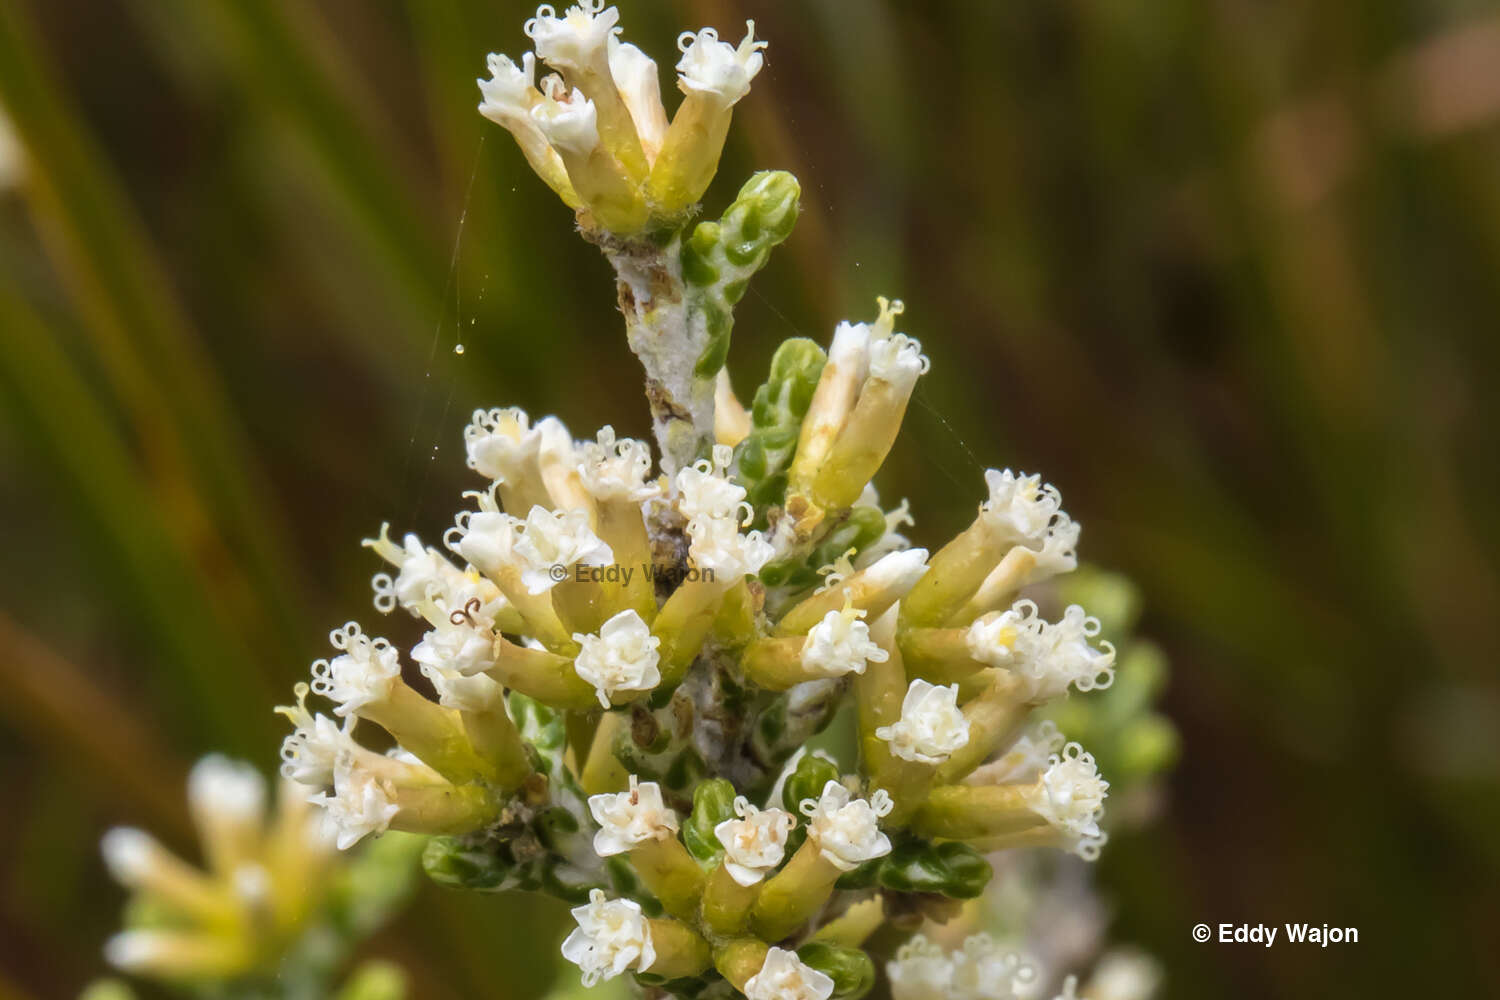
[(668, 344)]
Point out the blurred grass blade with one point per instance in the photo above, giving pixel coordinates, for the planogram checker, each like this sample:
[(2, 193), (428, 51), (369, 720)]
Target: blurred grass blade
[(143, 339), (95, 738), (206, 674)]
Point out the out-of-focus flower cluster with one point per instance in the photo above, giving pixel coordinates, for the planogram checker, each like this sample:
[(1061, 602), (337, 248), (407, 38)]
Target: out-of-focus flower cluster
[(275, 909)]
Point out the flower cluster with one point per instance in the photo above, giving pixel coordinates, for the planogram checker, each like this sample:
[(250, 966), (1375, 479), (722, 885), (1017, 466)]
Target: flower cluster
[(623, 659), (271, 886)]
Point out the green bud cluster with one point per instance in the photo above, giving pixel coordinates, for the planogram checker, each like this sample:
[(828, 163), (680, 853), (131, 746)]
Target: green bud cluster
[(720, 258)]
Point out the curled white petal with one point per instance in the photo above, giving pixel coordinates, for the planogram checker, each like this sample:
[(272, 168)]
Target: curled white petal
[(845, 829), (502, 445), (631, 817), (360, 804), (718, 547), (1070, 796), (616, 469), (755, 842), (557, 538), (931, 726), (612, 937), (310, 751), (784, 976), (578, 39), (841, 644), (363, 673), (1049, 658), (622, 657), (717, 69), (1020, 508)]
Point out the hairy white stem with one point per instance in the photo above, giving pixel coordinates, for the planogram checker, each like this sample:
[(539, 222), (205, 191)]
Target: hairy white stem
[(668, 338)]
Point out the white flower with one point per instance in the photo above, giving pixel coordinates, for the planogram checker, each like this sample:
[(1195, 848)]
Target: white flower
[(718, 548), (1049, 658), (612, 937), (570, 122), (454, 657), (846, 830), (840, 644), (557, 538), (422, 573), (1059, 552), (897, 359), (502, 445), (456, 648), (622, 657), (717, 69), (132, 856), (705, 490), (921, 970), (486, 537), (361, 803), (639, 85), (982, 970), (616, 469), (576, 40), (631, 817), (931, 727), (364, 673), (308, 754), (1020, 508), (755, 843), (1070, 796), (511, 90), (783, 976), (1025, 760), (227, 792), (994, 638)]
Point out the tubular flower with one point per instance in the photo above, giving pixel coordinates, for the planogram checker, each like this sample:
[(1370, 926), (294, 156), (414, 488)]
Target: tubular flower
[(931, 727), (1049, 658), (360, 804), (364, 672), (612, 937), (630, 817), (755, 842)]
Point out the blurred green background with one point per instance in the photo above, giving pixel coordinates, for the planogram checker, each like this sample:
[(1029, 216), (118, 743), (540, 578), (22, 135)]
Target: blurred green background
[(1227, 272)]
